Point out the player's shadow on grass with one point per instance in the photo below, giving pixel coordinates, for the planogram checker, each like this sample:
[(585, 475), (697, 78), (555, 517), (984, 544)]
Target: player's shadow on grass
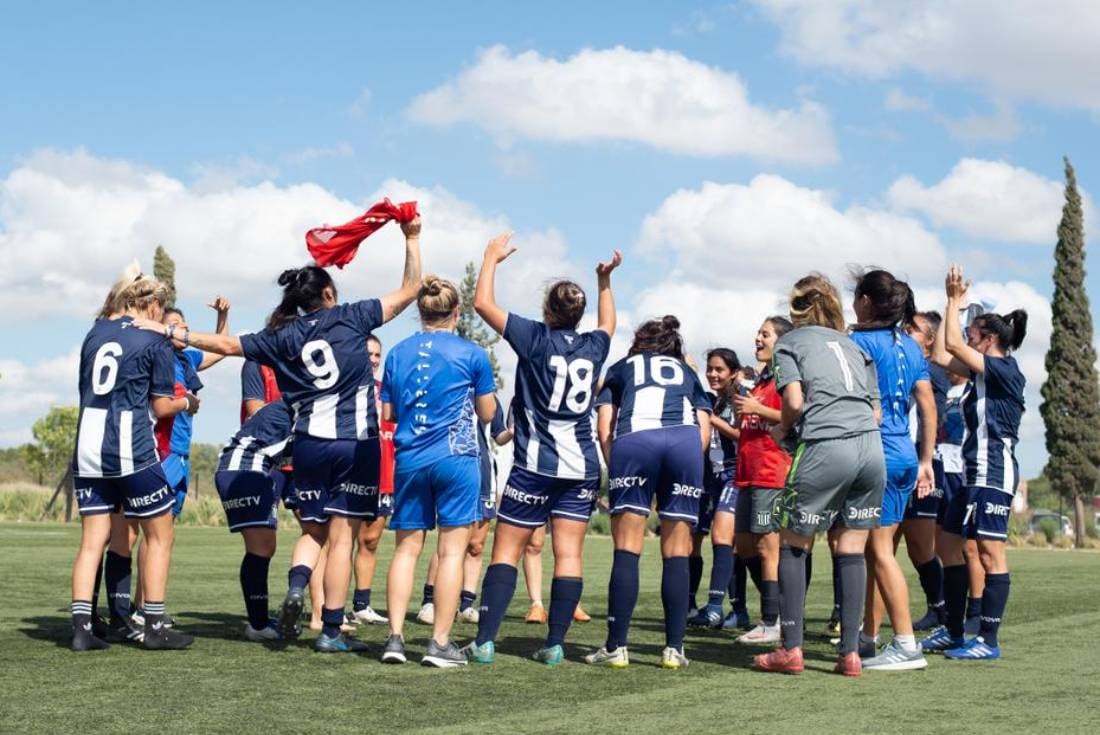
[(54, 629)]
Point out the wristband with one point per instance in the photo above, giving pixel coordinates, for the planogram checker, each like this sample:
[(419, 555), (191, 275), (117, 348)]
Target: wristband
[(169, 331)]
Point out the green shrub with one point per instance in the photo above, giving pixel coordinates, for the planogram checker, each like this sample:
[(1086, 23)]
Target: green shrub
[(1050, 529), (600, 525), (29, 505)]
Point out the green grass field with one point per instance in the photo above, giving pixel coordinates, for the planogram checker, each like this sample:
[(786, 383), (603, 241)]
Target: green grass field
[(1047, 681)]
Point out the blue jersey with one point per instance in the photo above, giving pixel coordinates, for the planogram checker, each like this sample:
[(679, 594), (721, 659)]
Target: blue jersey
[(432, 379), (556, 379), (993, 408), (653, 392), (323, 370), (900, 365), (187, 366), (121, 369), (252, 382), (260, 443), (722, 454)]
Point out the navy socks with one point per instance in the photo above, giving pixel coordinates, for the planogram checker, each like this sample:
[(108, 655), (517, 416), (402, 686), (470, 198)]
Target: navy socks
[(994, 600), (254, 588), (852, 569), (695, 576), (361, 600), (496, 594), (955, 583), (931, 581), (565, 595), (792, 595), (720, 573), (466, 600), (622, 595), (298, 577), (117, 576), (674, 599)]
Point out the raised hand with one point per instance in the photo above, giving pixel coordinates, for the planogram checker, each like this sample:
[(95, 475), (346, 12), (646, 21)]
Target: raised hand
[(220, 304), (955, 284), (605, 268), (411, 228), (498, 248)]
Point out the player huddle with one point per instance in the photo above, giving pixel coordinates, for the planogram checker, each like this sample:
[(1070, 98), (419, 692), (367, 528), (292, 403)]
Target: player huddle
[(902, 424)]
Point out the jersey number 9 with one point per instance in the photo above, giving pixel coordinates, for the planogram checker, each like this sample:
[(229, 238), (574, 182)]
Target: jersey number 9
[(325, 370)]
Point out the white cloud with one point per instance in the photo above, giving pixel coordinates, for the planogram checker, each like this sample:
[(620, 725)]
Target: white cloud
[(898, 101), (1019, 49), (988, 199), (998, 126), (315, 153), (658, 98)]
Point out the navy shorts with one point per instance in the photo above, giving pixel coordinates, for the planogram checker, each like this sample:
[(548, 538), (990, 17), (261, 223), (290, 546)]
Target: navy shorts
[(929, 507), (900, 482), (979, 512), (144, 494), (335, 477), (250, 499), (284, 488), (665, 463), (385, 505), (720, 496), (954, 491), (487, 495), (446, 491), (530, 499)]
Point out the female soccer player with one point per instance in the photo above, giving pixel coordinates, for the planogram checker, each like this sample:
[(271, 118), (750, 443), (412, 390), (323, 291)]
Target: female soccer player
[(436, 386), (992, 408), (837, 477), (316, 347), (720, 500), (762, 467), (883, 306), (556, 472), (124, 373), (654, 426), (246, 484)]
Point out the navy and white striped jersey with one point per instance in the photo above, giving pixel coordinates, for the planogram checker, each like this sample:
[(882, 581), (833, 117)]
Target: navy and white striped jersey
[(260, 443), (121, 368), (555, 382), (722, 454), (652, 392), (993, 408), (323, 370)]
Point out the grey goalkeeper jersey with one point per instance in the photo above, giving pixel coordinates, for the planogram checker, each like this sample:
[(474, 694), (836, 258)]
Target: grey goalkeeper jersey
[(838, 382)]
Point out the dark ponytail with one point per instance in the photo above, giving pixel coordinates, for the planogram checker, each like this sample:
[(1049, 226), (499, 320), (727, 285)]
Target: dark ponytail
[(1009, 329), (892, 301), (303, 292), (660, 336)]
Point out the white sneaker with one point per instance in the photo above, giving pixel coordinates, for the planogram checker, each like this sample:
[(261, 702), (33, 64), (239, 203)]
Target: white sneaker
[(367, 616), (469, 615), (426, 614), (761, 635), (895, 658), (617, 659), (673, 659)]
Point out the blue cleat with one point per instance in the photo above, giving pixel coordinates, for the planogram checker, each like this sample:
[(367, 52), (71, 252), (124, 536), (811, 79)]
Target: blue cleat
[(941, 640), (974, 649), (486, 653), (338, 644), (737, 619), (551, 655), (706, 617)]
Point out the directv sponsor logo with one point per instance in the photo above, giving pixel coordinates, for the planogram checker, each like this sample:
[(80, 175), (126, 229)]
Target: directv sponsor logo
[(625, 483), (308, 495), (863, 514), (526, 498), (687, 491), (157, 496), (586, 494), (994, 509), (351, 488), (245, 502)]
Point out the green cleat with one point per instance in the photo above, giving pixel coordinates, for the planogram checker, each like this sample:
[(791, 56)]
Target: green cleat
[(486, 653), (551, 655)]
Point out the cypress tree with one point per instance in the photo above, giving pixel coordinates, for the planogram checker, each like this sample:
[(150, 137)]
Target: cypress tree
[(1071, 393), (164, 270), (470, 324)]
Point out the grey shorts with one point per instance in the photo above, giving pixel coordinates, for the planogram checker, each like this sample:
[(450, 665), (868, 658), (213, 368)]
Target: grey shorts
[(834, 482), (755, 510)]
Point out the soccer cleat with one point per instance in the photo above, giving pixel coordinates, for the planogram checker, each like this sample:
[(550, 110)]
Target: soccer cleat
[(580, 616), (486, 653), (536, 615), (832, 628), (443, 657), (849, 664), (708, 617), (617, 659), (339, 644), (737, 619), (780, 661), (426, 614), (138, 616), (895, 658), (974, 649), (165, 639), (85, 640), (393, 652), (100, 628), (123, 630), (266, 634), (972, 625), (367, 616), (940, 640), (673, 659), (551, 656), (932, 619), (761, 635), (290, 614), (469, 615)]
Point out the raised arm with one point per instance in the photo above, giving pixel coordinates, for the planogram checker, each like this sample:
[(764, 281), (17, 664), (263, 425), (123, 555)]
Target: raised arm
[(221, 326), (222, 344), (926, 406), (950, 349), (485, 300), (395, 302), (605, 310)]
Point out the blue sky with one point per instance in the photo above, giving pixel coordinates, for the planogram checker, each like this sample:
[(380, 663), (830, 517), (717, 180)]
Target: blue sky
[(575, 124)]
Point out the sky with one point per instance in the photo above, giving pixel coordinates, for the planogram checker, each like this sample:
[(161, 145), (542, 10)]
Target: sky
[(727, 149)]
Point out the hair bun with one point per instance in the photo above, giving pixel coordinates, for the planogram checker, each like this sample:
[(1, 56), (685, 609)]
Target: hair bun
[(670, 322), (289, 276)]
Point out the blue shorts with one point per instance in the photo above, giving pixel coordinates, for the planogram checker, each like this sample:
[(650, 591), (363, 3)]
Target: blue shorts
[(954, 492), (530, 499), (177, 468), (385, 505), (284, 488), (720, 496), (665, 463), (446, 491), (979, 512), (487, 496), (250, 499), (144, 494), (929, 507), (900, 483), (335, 477)]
